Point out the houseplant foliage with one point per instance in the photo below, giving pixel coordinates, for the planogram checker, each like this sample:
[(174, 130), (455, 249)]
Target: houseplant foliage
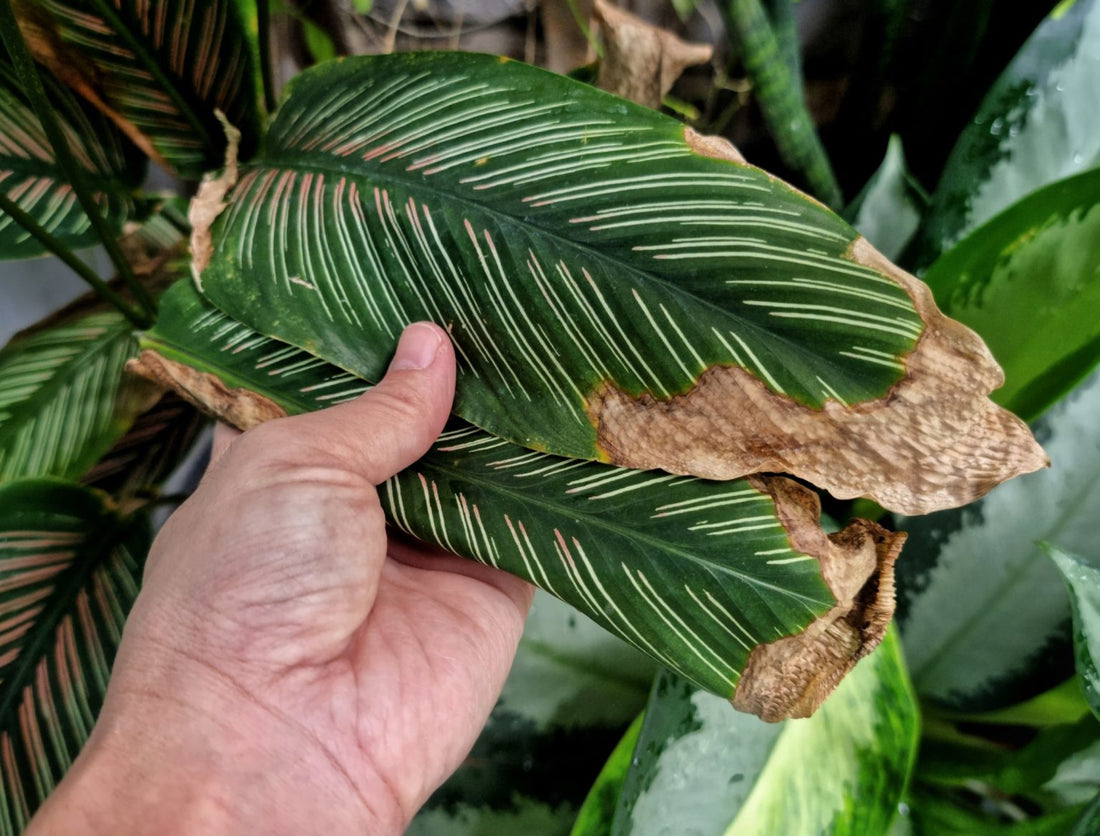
[(625, 294)]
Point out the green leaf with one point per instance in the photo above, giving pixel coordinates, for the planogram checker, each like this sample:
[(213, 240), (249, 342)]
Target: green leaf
[(889, 209), (31, 176), (62, 404), (161, 67), (613, 293), (1083, 580), (570, 693), (1089, 823), (939, 814), (1028, 281), (597, 814), (966, 574), (701, 769), (1039, 123), (71, 568), (695, 573)]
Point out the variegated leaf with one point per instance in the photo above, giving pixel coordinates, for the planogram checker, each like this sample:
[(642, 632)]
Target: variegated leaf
[(70, 568), (30, 175), (618, 287), (158, 68), (61, 406), (732, 584)]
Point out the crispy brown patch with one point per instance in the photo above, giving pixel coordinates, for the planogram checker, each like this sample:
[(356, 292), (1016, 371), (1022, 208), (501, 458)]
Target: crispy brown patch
[(209, 202), (791, 677), (715, 147), (239, 407), (641, 61), (934, 441)]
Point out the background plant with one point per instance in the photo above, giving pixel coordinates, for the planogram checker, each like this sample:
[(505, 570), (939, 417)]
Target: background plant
[(1007, 742)]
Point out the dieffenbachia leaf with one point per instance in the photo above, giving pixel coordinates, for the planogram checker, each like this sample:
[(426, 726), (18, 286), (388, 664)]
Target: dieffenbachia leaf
[(618, 287), (1028, 281), (597, 814), (62, 402), (32, 178), (889, 208), (1040, 122), (71, 567), (969, 572), (570, 693), (732, 584), (157, 68), (699, 768), (1083, 580)]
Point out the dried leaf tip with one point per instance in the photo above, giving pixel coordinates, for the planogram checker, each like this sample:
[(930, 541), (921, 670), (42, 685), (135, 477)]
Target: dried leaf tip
[(792, 676), (641, 61), (209, 202)]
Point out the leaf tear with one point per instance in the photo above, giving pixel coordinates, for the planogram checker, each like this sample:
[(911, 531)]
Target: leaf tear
[(792, 676)]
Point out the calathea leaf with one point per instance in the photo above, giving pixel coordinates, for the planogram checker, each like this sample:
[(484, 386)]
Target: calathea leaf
[(732, 584), (618, 287), (31, 177), (71, 567), (157, 68)]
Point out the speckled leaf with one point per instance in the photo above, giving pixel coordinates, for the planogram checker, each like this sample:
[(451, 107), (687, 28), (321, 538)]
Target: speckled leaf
[(717, 580), (30, 175), (70, 567), (1028, 281), (1082, 577), (157, 68), (968, 573), (1039, 123), (617, 287), (701, 770)]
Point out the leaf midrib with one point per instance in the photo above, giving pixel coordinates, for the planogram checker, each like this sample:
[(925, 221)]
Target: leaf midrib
[(285, 160)]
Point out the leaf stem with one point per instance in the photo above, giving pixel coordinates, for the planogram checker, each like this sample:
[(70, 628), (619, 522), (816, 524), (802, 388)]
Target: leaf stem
[(10, 208), (263, 17), (779, 93), (27, 71)]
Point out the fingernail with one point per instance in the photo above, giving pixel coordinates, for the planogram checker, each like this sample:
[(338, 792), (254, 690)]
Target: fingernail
[(417, 348)]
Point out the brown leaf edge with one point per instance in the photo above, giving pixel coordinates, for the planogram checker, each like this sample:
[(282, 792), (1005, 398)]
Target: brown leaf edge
[(934, 441), (209, 201), (789, 677), (792, 676), (238, 407)]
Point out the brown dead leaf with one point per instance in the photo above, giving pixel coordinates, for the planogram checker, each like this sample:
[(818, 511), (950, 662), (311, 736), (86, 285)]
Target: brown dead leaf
[(566, 45), (934, 441), (641, 61), (792, 676), (238, 407), (76, 70), (209, 202)]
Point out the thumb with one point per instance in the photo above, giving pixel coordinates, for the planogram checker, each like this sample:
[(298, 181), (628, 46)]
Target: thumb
[(391, 426)]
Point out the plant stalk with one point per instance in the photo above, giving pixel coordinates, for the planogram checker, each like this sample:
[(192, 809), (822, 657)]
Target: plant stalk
[(263, 17), (27, 72), (779, 93), (10, 208), (781, 13)]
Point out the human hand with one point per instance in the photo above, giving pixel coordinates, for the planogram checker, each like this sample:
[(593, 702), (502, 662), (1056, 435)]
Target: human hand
[(290, 666)]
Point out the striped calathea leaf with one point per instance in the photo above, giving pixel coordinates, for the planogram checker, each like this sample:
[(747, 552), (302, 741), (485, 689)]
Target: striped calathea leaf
[(157, 68), (70, 566), (31, 177), (732, 584), (618, 287)]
